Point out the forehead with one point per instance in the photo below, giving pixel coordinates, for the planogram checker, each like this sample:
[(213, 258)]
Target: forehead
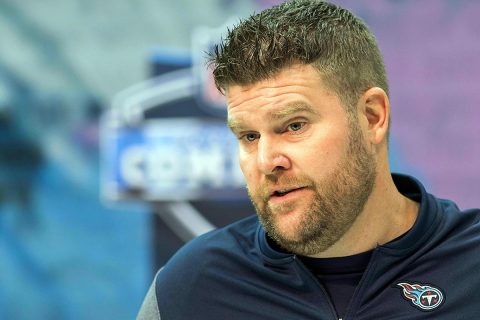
[(296, 89), (295, 79)]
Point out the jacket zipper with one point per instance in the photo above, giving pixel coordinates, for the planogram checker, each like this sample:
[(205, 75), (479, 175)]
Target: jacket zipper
[(309, 274), (360, 284), (357, 289)]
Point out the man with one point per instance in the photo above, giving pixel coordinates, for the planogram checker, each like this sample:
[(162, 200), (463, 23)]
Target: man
[(337, 235)]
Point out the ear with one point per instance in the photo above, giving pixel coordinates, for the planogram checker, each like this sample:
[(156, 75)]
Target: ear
[(375, 107)]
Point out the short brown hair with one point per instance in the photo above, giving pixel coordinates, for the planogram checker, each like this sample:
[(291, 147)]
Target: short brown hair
[(330, 38)]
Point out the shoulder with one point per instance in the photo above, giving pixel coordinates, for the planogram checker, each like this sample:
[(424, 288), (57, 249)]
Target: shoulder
[(212, 251), (457, 218), (237, 236), (458, 229), (205, 265)]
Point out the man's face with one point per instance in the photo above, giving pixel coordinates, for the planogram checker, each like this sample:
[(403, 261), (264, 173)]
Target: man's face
[(307, 166)]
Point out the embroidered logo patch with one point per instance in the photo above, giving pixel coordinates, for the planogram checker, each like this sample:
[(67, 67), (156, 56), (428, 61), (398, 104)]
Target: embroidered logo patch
[(422, 296)]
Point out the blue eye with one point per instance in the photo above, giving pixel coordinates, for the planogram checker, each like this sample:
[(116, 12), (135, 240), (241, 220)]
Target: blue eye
[(295, 126), (250, 137)]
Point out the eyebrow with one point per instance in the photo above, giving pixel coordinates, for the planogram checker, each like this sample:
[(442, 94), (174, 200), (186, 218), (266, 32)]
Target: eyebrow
[(283, 113), (291, 109), (234, 125)]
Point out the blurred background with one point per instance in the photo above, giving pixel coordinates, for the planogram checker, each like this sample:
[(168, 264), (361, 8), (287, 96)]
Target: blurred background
[(113, 151)]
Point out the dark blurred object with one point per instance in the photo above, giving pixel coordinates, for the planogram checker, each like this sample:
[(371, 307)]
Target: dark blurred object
[(218, 212), (20, 161)]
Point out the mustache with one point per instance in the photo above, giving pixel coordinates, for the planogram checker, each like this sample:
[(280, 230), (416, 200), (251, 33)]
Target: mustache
[(286, 182)]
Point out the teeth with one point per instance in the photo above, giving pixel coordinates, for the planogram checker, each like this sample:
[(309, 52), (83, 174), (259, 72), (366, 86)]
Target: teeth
[(281, 193)]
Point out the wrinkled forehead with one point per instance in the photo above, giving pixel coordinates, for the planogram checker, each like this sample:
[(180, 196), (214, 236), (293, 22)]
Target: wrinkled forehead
[(298, 77)]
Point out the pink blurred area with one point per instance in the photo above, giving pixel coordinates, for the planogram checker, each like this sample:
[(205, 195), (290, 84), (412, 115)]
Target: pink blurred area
[(431, 51)]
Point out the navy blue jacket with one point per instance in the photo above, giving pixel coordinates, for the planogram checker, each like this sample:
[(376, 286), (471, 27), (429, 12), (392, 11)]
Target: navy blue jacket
[(432, 272)]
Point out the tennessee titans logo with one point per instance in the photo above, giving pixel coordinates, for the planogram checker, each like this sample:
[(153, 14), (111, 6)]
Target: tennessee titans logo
[(422, 296)]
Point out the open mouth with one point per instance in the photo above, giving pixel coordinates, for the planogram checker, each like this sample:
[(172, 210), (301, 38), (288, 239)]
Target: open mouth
[(281, 193)]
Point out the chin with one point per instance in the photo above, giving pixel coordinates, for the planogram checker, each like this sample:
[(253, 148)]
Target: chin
[(290, 228)]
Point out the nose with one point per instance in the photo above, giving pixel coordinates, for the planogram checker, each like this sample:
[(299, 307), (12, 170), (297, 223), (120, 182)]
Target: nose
[(271, 157)]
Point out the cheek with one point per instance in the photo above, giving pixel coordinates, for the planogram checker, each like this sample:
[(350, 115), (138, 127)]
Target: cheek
[(322, 154)]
